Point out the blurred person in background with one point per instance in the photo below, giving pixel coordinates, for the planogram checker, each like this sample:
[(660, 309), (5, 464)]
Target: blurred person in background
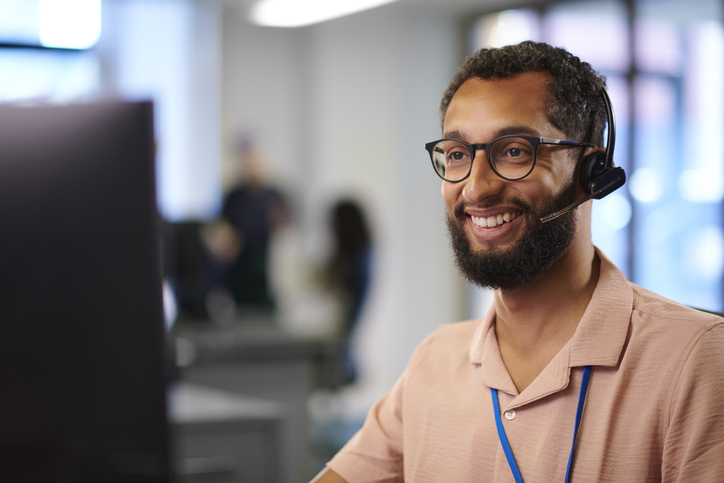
[(255, 210), (348, 273), (343, 281)]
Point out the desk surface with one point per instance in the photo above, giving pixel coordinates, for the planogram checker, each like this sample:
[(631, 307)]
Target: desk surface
[(211, 344), (196, 403), (265, 362)]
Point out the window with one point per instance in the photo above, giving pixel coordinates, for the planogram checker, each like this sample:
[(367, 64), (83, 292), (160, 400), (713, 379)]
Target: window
[(166, 51), (665, 71)]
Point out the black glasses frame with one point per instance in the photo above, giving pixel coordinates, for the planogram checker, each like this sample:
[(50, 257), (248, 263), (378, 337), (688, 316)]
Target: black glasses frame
[(534, 142)]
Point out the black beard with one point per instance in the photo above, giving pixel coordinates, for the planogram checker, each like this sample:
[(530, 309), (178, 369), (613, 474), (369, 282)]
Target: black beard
[(539, 247)]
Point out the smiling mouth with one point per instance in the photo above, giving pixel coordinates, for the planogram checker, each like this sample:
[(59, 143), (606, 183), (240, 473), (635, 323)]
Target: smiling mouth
[(493, 221)]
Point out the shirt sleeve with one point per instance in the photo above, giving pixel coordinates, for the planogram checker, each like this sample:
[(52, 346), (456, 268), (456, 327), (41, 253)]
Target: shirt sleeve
[(374, 453), (694, 444)]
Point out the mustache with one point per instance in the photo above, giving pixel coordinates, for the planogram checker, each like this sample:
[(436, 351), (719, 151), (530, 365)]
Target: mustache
[(461, 206)]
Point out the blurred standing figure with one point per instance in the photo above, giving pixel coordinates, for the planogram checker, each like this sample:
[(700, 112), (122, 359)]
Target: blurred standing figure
[(255, 210), (349, 270)]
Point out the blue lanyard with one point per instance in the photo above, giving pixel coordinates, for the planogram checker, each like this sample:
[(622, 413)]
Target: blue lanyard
[(504, 438)]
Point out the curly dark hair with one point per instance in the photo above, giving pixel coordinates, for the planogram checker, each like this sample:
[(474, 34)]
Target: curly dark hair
[(575, 105)]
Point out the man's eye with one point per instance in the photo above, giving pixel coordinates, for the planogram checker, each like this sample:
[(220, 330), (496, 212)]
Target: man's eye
[(457, 156), (514, 153)]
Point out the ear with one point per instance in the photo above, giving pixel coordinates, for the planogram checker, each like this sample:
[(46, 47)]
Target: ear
[(592, 167), (599, 177)]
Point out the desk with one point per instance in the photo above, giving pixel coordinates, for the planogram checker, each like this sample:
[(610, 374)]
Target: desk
[(256, 360), (218, 437)]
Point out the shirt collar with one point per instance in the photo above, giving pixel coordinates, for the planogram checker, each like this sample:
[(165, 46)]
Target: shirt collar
[(599, 338), (601, 335)]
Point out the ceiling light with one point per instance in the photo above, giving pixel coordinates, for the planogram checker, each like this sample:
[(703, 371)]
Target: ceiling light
[(297, 13), (70, 24)]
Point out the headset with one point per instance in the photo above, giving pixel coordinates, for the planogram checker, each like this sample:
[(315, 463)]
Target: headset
[(599, 176)]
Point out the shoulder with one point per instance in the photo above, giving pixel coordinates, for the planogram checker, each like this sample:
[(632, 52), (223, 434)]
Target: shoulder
[(236, 192), (233, 196), (450, 335), (446, 351), (673, 334), (652, 308)]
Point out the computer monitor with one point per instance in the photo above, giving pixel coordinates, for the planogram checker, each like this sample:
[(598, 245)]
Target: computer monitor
[(82, 378)]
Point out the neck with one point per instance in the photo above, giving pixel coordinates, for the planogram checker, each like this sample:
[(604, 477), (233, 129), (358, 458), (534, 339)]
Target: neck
[(534, 322)]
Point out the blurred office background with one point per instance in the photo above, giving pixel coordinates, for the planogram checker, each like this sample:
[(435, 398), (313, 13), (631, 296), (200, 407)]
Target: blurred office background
[(340, 110)]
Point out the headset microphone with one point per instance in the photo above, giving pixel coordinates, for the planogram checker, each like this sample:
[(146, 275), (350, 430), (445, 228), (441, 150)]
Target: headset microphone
[(599, 176)]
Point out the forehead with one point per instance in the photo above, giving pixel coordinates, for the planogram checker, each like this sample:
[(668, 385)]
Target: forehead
[(484, 107)]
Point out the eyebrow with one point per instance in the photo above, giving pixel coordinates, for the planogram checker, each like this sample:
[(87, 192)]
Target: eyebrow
[(506, 131)]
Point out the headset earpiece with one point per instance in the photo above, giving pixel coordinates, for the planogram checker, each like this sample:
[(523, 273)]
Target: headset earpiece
[(599, 180), (599, 176), (591, 169)]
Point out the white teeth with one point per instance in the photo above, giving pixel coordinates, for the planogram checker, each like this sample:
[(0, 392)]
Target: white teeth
[(492, 221)]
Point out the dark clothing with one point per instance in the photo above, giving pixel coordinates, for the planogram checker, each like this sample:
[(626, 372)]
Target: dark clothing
[(252, 211)]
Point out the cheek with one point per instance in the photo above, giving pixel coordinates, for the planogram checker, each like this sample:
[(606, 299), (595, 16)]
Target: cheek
[(555, 169), (450, 194), (568, 171), (547, 181)]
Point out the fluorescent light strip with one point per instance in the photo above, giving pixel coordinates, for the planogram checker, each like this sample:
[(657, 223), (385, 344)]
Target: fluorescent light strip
[(298, 13), (70, 24)]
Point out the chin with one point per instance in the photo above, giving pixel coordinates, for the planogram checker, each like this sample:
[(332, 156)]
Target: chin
[(513, 264)]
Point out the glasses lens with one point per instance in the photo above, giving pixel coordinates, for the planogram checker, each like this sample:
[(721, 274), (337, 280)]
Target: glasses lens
[(451, 159), (512, 157)]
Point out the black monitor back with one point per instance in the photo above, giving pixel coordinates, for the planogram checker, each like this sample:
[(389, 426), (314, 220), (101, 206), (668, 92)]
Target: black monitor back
[(82, 384)]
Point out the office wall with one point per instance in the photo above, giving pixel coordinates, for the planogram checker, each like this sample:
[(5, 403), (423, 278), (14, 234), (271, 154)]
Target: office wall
[(168, 51), (344, 108)]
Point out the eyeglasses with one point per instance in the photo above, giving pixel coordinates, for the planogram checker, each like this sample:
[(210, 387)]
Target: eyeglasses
[(511, 157)]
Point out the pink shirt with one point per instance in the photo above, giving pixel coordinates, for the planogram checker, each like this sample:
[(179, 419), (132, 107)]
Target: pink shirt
[(654, 411)]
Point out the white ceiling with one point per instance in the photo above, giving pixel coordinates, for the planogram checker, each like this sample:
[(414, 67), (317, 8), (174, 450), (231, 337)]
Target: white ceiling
[(467, 6), (448, 7)]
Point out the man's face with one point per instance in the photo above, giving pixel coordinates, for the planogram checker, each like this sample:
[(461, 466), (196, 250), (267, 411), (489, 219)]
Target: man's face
[(494, 224)]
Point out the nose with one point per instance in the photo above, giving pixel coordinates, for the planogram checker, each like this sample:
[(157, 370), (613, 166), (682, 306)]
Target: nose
[(483, 181)]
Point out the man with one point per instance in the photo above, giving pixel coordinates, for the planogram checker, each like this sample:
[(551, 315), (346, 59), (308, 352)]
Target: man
[(568, 339)]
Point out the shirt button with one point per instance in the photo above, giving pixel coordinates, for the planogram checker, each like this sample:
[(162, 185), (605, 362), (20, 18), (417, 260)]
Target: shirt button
[(510, 415)]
